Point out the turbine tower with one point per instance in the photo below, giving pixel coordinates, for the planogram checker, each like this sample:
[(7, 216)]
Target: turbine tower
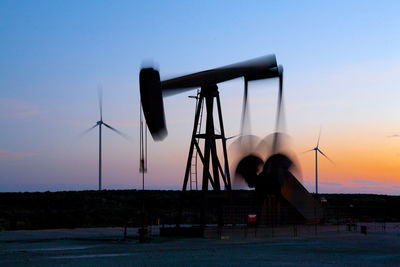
[(316, 149), (99, 124)]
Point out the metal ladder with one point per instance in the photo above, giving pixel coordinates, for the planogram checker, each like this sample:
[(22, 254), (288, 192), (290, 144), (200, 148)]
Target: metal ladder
[(193, 167)]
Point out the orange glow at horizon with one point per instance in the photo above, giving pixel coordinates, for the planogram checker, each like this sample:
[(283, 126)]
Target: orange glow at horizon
[(355, 161)]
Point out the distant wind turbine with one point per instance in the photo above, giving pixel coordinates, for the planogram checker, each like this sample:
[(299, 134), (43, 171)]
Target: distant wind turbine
[(226, 163), (316, 149), (226, 139), (99, 124)]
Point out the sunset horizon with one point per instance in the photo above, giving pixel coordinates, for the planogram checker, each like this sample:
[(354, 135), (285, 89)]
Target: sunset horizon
[(341, 75)]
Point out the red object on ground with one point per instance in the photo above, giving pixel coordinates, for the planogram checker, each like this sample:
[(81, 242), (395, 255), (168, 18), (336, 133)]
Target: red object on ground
[(251, 217)]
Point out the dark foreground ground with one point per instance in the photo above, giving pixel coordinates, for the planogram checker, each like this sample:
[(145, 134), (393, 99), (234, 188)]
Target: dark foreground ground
[(101, 247), (110, 208)]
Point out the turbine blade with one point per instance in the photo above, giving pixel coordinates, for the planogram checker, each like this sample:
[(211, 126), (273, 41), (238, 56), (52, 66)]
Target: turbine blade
[(88, 130), (100, 99), (319, 135), (325, 156), (117, 131), (308, 151), (230, 137)]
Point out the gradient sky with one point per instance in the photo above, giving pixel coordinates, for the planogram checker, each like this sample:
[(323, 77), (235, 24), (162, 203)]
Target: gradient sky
[(341, 60)]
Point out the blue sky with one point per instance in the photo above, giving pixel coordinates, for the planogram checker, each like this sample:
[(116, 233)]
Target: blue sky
[(341, 63)]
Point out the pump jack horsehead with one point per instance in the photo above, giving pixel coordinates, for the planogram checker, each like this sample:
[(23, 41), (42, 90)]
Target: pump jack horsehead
[(153, 90)]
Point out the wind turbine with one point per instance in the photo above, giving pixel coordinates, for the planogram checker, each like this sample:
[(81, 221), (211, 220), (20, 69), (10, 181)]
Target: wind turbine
[(316, 149), (226, 139), (99, 124), (226, 163)]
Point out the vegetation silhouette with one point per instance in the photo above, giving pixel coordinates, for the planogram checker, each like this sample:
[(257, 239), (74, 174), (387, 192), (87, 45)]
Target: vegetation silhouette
[(118, 208)]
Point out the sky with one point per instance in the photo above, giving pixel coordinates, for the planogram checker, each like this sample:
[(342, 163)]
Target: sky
[(341, 61)]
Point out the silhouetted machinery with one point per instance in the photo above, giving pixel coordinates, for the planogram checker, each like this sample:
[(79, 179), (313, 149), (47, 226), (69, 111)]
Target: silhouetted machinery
[(266, 171)]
